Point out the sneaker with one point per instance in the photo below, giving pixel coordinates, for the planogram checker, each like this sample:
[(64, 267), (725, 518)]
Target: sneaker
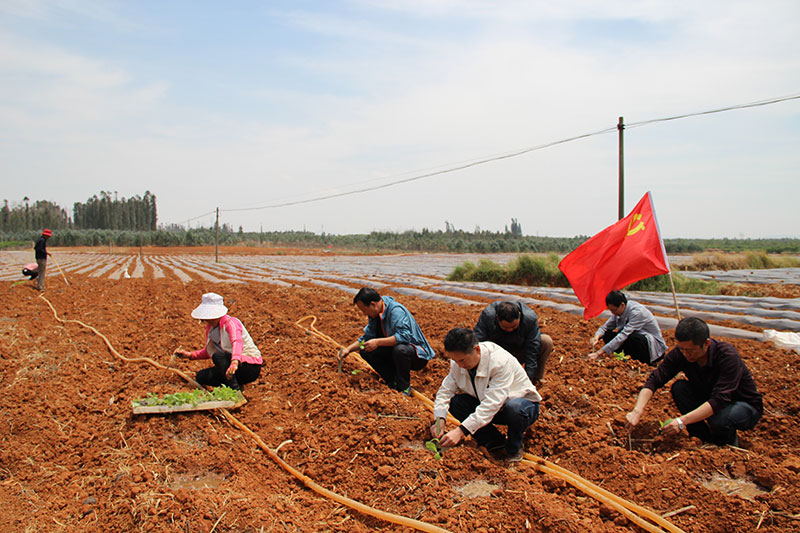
[(515, 457)]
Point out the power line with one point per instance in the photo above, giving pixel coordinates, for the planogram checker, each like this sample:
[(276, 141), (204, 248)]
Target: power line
[(712, 111), (508, 155), (430, 174)]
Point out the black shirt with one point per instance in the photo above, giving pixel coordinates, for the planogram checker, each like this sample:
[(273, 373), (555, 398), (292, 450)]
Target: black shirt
[(40, 248), (724, 379)]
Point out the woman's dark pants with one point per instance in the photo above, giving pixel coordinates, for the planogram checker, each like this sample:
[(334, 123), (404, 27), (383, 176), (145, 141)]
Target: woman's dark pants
[(215, 376)]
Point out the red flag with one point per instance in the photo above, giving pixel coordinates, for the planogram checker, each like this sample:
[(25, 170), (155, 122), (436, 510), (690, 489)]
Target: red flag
[(621, 254)]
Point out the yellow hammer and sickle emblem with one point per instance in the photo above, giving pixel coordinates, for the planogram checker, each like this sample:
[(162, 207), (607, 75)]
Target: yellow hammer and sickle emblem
[(638, 227)]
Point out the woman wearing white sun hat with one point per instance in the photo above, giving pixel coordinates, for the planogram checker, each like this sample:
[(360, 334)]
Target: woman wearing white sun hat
[(237, 360)]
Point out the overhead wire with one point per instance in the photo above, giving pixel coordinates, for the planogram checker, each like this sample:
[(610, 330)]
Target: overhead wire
[(508, 155)]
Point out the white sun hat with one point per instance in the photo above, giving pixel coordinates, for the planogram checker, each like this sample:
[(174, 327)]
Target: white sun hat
[(210, 307)]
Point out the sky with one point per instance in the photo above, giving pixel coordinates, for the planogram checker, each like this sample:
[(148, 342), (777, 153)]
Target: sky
[(247, 106)]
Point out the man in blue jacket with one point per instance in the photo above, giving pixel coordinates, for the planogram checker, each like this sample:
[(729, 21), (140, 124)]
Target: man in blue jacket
[(392, 343)]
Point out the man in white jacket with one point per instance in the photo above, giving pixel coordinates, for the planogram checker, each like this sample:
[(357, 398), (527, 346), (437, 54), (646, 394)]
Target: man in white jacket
[(486, 386)]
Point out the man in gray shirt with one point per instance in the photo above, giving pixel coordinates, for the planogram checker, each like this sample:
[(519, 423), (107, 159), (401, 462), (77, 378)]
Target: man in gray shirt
[(631, 329)]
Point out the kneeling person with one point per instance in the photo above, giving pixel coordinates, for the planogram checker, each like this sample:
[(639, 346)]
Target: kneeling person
[(515, 327), (237, 360), (631, 328), (486, 386), (718, 396), (393, 343)]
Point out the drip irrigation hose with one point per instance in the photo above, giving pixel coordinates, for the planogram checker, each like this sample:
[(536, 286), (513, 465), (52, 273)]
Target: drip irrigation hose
[(633, 512), (307, 481), (59, 269)]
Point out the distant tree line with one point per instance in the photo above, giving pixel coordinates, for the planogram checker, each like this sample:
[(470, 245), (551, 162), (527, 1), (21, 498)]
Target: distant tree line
[(132, 222), (132, 214), (136, 213), (377, 241), (27, 216)]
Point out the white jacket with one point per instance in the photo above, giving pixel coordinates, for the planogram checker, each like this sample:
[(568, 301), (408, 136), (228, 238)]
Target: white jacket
[(499, 378)]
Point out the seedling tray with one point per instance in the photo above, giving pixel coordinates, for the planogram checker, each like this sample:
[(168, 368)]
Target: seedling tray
[(197, 400), (202, 406)]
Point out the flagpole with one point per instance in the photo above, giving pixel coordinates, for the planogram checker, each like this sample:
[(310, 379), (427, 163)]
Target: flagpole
[(674, 296)]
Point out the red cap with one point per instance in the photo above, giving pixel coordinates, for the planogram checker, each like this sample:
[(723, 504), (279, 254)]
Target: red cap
[(47, 233)]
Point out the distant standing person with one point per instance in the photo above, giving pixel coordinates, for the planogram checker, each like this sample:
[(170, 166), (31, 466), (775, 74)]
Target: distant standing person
[(632, 328), (393, 343), (718, 396), (41, 253), (486, 386), (237, 360), (515, 327)]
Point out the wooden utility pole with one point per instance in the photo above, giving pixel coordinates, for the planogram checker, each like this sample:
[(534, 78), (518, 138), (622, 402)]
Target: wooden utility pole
[(216, 238), (621, 200)]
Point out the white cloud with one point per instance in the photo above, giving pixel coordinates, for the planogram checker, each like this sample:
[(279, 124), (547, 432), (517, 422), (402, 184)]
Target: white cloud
[(393, 100)]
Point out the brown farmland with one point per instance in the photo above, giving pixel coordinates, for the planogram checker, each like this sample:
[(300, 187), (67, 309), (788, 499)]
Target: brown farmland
[(74, 458)]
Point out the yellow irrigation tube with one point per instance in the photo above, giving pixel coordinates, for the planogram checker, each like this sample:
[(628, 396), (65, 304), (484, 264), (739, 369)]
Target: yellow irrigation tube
[(633, 512), (307, 481)]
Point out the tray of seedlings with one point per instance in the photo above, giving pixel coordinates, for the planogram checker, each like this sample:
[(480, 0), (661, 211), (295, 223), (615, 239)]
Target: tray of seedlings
[(197, 400)]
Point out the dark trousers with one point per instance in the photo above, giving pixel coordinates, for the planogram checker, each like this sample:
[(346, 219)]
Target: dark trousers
[(395, 363), (518, 414), (214, 376), (720, 428), (635, 345)]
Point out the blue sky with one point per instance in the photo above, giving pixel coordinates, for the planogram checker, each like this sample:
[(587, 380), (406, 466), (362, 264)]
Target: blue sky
[(248, 104)]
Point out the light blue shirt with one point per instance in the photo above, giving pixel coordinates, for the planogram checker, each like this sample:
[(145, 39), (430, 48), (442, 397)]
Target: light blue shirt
[(397, 321)]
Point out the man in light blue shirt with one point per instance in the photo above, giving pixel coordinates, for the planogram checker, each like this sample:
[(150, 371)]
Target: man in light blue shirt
[(393, 343)]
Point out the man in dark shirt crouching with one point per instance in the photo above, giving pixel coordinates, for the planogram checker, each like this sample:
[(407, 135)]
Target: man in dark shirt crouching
[(719, 395)]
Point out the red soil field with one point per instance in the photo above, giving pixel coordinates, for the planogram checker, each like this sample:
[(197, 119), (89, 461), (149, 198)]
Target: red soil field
[(73, 457)]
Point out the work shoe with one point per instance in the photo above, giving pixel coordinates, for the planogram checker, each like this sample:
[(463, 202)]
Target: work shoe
[(515, 457)]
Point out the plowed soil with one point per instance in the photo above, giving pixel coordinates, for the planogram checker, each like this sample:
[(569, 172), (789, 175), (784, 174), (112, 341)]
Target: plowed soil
[(73, 457)]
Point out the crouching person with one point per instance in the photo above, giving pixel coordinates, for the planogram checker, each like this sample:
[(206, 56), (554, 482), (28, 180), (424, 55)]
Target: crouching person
[(718, 396), (237, 360), (486, 386)]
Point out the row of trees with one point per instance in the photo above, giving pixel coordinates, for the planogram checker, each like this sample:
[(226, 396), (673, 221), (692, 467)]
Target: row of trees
[(135, 214), (27, 216), (409, 241)]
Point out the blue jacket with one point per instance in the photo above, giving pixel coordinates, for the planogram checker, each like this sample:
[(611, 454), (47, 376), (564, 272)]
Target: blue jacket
[(397, 321)]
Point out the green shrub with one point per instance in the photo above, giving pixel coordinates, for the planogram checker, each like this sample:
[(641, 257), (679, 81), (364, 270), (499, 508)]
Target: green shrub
[(682, 284)]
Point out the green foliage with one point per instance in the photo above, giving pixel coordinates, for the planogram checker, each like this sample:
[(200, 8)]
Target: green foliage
[(13, 244), (136, 213), (682, 285), (526, 269), (434, 446), (27, 216), (195, 397), (620, 356)]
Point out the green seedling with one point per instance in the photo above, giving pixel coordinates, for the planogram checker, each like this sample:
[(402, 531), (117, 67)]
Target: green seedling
[(620, 356), (434, 446), (356, 371), (195, 397), (664, 423), (361, 344)]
